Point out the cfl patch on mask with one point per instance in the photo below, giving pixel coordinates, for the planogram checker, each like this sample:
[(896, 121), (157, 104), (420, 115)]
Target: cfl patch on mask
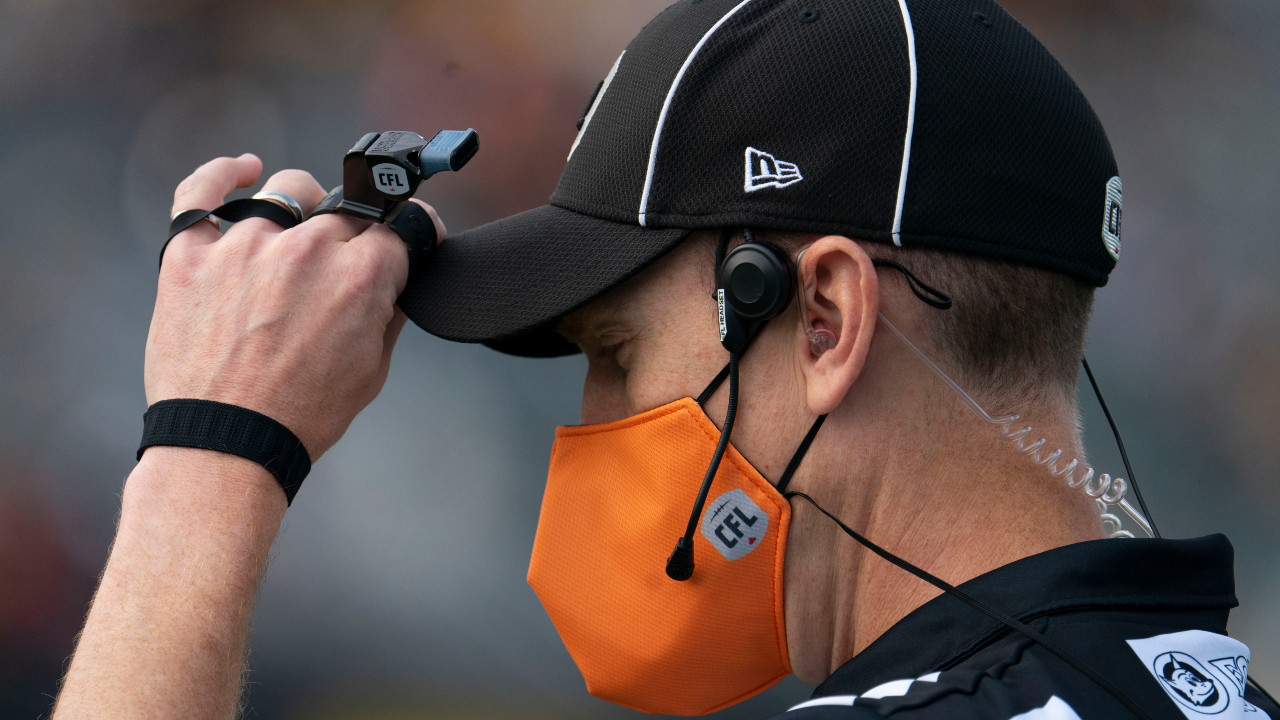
[(734, 524), (1203, 672)]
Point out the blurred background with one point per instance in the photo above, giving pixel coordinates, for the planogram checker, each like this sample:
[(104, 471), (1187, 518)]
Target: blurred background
[(397, 587)]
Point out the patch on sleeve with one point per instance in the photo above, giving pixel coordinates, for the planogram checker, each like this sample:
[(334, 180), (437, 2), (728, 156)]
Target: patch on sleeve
[(1204, 673), (1055, 709)]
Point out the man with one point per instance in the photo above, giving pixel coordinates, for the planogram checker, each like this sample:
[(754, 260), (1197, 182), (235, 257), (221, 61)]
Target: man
[(900, 208)]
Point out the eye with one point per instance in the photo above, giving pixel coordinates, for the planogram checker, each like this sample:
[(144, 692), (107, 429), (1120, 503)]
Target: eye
[(611, 347)]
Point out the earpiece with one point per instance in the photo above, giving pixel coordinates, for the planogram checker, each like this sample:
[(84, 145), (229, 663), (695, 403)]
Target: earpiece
[(753, 284), (820, 341)]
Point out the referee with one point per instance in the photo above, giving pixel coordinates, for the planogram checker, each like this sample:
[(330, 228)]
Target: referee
[(826, 260)]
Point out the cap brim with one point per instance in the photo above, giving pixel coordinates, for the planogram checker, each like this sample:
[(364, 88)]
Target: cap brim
[(508, 283)]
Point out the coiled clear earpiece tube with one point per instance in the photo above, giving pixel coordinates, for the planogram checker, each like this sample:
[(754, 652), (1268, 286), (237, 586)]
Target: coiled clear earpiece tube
[(1109, 492)]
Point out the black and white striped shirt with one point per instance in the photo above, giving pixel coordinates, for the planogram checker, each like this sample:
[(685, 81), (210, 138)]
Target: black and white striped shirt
[(1149, 615)]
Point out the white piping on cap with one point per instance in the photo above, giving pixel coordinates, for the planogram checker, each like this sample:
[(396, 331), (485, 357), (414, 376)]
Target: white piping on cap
[(666, 105), (608, 80), (911, 123)]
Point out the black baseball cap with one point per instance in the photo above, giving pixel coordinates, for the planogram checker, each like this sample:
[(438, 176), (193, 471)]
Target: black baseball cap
[(924, 123)]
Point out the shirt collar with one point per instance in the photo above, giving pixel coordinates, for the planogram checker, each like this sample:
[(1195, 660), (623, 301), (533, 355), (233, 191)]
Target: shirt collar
[(1095, 575)]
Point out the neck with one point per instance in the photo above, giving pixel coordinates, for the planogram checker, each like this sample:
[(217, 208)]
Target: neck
[(940, 489)]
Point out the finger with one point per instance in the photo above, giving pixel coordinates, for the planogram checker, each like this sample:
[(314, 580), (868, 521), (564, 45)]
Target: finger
[(396, 260), (380, 249), (347, 227), (391, 335), (338, 226), (441, 231), (297, 184), (208, 187)]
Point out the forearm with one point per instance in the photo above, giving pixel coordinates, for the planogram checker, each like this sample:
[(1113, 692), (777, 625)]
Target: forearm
[(166, 633), (297, 324)]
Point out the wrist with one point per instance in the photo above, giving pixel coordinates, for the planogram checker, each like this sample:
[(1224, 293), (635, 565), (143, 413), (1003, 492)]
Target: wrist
[(203, 486), (230, 429), (198, 525)]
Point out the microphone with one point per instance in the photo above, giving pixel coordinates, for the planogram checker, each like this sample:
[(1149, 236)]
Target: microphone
[(680, 562)]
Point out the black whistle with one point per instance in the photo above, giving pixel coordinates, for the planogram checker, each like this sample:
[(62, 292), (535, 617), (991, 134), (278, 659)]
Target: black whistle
[(385, 169)]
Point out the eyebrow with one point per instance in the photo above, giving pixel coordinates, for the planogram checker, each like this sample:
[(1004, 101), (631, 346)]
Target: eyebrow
[(582, 323)]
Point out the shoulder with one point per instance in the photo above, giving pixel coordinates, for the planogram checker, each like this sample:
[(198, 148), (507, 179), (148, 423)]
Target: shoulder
[(1023, 681)]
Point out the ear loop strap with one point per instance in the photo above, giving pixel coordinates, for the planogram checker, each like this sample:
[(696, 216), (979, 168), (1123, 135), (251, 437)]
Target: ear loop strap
[(799, 454), (928, 295), (997, 615), (713, 386)]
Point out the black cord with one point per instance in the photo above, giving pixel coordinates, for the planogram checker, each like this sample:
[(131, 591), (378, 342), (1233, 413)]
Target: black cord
[(929, 295), (799, 454), (680, 562), (1123, 455), (730, 414), (998, 615), (711, 388)]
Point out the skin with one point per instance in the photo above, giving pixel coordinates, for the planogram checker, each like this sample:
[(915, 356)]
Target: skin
[(899, 457), (300, 325)]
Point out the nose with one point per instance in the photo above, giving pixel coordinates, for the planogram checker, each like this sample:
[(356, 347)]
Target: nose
[(603, 394)]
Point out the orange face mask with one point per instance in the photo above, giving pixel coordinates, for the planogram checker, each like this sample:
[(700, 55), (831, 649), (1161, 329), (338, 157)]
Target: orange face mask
[(616, 496)]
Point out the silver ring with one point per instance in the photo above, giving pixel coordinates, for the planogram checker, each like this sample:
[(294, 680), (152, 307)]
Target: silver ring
[(283, 201)]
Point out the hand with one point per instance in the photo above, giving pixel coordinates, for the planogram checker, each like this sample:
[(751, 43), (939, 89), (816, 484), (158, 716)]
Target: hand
[(296, 324)]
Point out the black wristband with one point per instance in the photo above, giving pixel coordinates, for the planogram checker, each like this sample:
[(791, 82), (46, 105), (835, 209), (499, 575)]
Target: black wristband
[(210, 425)]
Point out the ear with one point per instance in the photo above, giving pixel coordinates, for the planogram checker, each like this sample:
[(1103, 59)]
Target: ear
[(839, 294)]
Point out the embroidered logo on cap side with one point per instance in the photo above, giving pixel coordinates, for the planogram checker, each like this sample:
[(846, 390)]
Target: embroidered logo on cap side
[(764, 171), (1111, 219), (1203, 672), (734, 524)]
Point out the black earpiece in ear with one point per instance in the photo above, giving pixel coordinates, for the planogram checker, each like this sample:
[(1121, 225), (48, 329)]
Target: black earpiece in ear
[(753, 284)]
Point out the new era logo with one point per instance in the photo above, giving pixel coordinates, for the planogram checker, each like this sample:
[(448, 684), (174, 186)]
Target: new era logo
[(765, 171)]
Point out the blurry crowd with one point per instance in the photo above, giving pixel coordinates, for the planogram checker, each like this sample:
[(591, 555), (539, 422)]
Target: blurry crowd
[(397, 586)]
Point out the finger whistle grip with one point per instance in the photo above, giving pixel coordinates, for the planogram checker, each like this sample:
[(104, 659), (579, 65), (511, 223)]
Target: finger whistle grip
[(385, 169)]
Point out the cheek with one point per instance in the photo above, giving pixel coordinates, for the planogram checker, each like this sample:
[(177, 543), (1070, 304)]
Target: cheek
[(653, 376), (675, 366), (651, 386)]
